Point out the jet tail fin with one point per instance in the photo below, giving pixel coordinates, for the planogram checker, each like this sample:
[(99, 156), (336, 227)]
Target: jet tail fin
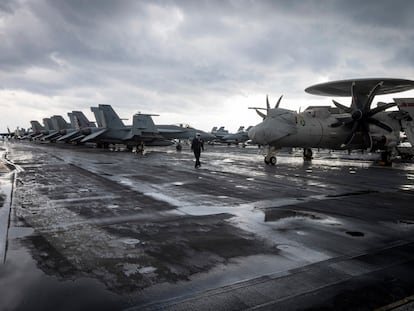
[(81, 121), (143, 123), (407, 105), (110, 117), (36, 127)]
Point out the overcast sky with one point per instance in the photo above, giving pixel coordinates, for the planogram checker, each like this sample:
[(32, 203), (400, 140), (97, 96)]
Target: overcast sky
[(197, 62)]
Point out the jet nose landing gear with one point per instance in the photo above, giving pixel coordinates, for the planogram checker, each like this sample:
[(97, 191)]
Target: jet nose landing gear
[(270, 157)]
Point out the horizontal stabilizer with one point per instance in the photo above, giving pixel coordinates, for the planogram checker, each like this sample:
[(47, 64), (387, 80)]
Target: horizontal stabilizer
[(69, 136), (93, 136), (77, 139), (51, 135)]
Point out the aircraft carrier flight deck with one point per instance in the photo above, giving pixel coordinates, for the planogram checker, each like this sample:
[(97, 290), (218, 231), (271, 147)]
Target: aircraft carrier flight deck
[(83, 228)]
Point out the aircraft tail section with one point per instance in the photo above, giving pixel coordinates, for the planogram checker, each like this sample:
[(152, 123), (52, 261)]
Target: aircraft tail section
[(48, 124), (81, 121), (98, 116), (407, 105), (59, 123), (143, 123), (110, 118), (36, 127)]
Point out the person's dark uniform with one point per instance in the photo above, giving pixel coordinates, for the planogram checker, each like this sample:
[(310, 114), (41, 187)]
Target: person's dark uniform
[(197, 145)]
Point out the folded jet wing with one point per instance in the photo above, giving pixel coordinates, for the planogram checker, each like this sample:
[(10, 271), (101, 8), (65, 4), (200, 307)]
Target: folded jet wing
[(93, 135)]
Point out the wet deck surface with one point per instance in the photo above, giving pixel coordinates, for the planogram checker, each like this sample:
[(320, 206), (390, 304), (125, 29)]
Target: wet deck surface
[(96, 229)]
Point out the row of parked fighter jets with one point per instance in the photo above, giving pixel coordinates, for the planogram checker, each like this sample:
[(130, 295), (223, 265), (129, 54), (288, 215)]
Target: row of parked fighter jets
[(110, 129)]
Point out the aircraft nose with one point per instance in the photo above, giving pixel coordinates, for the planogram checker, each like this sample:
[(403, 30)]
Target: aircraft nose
[(254, 134), (258, 134)]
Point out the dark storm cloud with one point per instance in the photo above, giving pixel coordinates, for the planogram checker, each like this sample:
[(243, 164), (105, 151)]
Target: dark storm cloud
[(189, 54)]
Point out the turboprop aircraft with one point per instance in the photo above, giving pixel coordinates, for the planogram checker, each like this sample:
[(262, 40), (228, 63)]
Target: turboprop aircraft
[(339, 128)]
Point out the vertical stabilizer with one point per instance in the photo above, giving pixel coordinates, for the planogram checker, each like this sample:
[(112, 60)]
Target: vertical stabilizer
[(407, 105), (72, 120), (143, 123), (81, 121), (36, 127), (59, 123), (48, 124), (98, 116), (110, 118)]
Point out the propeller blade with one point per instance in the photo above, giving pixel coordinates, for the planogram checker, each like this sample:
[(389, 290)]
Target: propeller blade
[(337, 124), (343, 107), (351, 135), (267, 103), (278, 102), (261, 114), (380, 124), (348, 140), (380, 108), (372, 94), (356, 104)]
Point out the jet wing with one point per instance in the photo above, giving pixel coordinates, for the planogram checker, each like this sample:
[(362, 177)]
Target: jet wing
[(69, 136), (93, 136)]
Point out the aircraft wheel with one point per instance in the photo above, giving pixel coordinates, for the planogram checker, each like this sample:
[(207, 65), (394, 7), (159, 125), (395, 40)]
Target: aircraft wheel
[(273, 160), (179, 147), (266, 160), (140, 149), (386, 158)]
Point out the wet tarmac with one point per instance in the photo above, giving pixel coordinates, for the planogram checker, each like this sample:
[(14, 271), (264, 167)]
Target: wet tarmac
[(83, 228)]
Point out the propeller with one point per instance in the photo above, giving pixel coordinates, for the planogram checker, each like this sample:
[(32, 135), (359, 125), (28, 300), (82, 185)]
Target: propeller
[(264, 115), (361, 114)]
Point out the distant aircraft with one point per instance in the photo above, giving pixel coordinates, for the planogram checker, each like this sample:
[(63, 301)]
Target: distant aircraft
[(338, 128), (182, 132), (241, 136), (219, 133), (9, 134)]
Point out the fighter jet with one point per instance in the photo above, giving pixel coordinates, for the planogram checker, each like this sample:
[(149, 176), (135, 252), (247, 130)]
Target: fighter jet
[(219, 133), (60, 126), (114, 131), (338, 128), (80, 127), (241, 136), (182, 132)]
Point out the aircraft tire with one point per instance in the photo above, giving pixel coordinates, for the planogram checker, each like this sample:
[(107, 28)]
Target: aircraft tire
[(266, 161), (179, 147), (273, 160)]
